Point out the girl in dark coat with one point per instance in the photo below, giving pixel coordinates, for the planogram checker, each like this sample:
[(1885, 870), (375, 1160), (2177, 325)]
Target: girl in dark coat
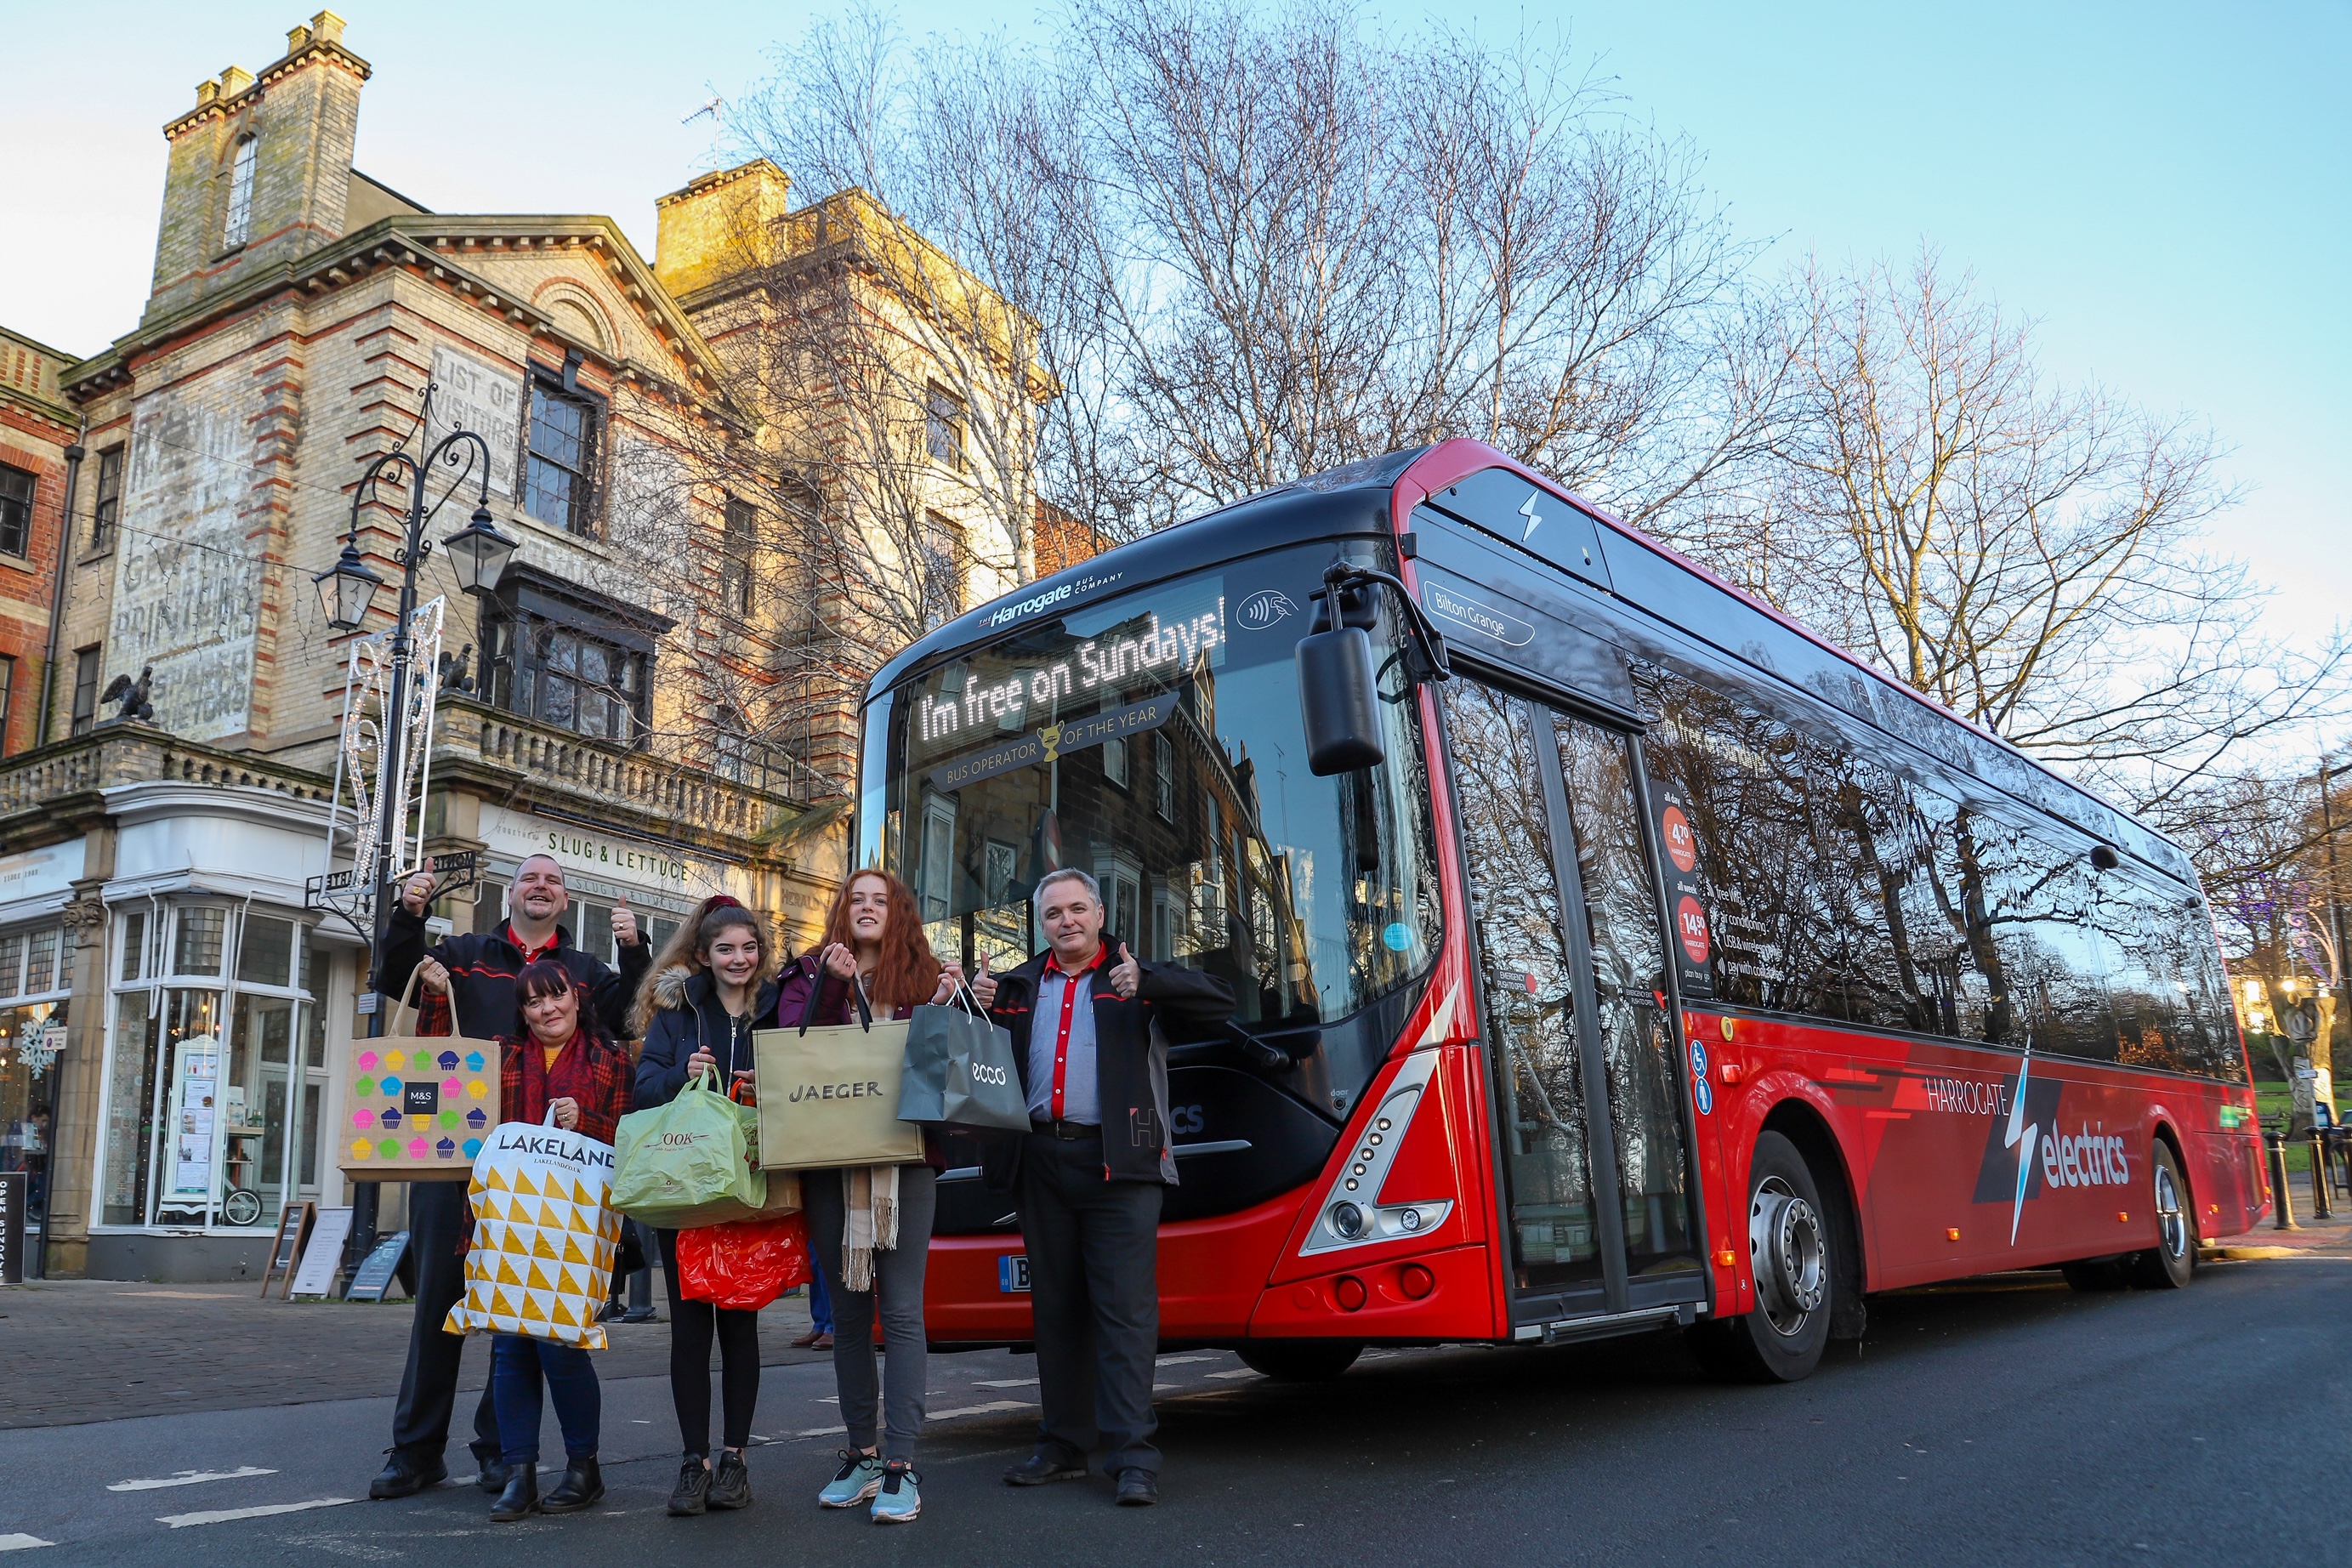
[(699, 1013)]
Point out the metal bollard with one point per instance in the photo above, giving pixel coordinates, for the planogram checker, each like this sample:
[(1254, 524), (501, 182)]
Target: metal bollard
[(2283, 1200), (2320, 1207)]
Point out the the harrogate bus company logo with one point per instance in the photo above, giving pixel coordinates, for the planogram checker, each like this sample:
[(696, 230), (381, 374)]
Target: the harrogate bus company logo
[(2027, 1153)]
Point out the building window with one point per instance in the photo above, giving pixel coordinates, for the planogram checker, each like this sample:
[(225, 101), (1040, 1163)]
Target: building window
[(943, 421), (1114, 760), (560, 489), (109, 507), (16, 510), (240, 196), (740, 538), (7, 696), (1164, 778), (85, 695), (568, 678)]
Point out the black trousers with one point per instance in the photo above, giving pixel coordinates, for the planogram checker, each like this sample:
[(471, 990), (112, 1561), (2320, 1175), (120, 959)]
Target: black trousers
[(1094, 1284), (429, 1385), (693, 1325)]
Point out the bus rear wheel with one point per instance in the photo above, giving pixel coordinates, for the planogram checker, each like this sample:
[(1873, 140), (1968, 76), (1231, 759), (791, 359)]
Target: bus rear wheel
[(1301, 1361), (1782, 1339), (2171, 1262)]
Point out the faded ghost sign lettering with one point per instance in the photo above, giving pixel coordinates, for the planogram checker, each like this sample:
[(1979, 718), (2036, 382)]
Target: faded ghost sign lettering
[(471, 396), (186, 579)]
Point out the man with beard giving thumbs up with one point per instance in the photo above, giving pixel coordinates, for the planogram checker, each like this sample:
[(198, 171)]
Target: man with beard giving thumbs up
[(1085, 1018)]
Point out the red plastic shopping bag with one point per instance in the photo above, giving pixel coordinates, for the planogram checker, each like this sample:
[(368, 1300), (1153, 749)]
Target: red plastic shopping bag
[(745, 1264)]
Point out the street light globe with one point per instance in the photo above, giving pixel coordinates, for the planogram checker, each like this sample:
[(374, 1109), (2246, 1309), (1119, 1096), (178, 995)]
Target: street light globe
[(478, 553), (345, 589)]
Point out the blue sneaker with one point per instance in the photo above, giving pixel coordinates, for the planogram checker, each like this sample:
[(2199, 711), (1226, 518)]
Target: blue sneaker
[(897, 1502), (860, 1477)]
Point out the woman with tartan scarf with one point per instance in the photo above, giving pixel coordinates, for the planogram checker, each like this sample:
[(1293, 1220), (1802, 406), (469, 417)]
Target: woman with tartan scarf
[(870, 1227), (561, 1065)]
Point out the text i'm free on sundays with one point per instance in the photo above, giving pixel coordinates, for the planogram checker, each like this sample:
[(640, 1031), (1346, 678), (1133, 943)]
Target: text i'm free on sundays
[(1092, 666)]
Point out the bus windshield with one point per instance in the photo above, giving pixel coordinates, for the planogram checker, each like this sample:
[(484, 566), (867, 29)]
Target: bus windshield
[(1153, 739)]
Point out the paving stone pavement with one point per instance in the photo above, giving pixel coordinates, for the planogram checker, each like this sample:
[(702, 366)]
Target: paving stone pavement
[(90, 1350)]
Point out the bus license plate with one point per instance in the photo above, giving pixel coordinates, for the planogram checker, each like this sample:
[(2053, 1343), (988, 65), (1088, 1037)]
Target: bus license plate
[(1012, 1273)]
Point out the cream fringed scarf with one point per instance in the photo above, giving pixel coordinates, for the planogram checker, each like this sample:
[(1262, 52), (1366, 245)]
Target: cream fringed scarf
[(869, 1201)]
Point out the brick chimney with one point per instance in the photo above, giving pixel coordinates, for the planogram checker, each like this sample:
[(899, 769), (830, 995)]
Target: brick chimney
[(721, 224)]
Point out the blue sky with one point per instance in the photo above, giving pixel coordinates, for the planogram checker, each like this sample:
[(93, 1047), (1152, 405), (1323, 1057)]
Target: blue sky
[(2165, 188)]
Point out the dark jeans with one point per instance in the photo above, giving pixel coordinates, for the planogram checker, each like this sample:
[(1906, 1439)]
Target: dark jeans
[(820, 1303), (429, 1385), (692, 1326), (1094, 1293), (515, 1366), (898, 1283)]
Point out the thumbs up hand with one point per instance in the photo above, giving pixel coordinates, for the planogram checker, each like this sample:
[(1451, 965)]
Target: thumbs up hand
[(1126, 974), (984, 984), (624, 923)]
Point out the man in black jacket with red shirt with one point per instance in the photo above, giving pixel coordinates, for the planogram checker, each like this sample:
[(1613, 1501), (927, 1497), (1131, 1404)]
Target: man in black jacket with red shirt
[(481, 971), (1086, 1021)]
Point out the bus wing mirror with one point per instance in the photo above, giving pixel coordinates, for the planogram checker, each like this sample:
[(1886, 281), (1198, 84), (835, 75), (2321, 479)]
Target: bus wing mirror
[(1340, 701)]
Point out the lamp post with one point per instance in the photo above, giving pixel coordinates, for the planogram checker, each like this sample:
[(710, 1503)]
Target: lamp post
[(479, 554)]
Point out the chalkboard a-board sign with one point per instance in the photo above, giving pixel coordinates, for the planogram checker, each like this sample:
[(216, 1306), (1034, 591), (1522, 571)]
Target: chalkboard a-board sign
[(15, 1187), (376, 1272), (294, 1223)]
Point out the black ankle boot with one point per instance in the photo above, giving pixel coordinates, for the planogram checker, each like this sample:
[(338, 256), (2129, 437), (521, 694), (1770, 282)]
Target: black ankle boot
[(521, 1499), (582, 1484)]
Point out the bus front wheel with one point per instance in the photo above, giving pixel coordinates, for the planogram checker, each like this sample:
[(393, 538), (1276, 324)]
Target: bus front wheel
[(1782, 1338), (1301, 1361)]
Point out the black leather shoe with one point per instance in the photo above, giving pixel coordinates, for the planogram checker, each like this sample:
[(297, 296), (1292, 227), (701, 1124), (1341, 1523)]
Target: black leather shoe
[(730, 1484), (1138, 1488), (520, 1498), (582, 1484), (644, 1317), (495, 1474), (406, 1475), (1040, 1467)]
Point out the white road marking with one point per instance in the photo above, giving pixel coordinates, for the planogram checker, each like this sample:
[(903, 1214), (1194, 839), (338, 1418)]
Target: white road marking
[(1004, 1382), (1239, 1372), (223, 1515), (19, 1543), (190, 1477), (1180, 1359), (988, 1409)]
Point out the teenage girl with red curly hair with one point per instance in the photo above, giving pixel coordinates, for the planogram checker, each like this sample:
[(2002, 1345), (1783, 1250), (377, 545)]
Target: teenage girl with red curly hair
[(871, 1227)]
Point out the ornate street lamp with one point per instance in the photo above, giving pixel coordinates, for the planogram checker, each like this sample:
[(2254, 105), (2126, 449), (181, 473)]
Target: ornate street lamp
[(478, 553), (346, 588)]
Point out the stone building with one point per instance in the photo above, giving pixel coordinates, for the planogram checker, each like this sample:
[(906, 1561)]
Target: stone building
[(39, 460), (169, 850)]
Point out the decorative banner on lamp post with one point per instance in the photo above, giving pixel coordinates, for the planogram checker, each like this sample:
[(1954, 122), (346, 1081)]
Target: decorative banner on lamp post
[(364, 760)]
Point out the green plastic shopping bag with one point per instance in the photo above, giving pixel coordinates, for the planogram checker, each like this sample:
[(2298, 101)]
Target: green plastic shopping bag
[(687, 1162)]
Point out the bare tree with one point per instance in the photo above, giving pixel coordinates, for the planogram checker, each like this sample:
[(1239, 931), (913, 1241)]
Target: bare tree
[(1254, 248), (2030, 556)]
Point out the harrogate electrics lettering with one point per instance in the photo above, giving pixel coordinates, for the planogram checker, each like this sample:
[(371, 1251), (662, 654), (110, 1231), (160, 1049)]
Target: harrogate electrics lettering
[(831, 1091), (1966, 1097), (2087, 1158)]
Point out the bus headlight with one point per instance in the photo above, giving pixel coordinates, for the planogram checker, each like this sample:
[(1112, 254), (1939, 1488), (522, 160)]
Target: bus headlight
[(1348, 1220)]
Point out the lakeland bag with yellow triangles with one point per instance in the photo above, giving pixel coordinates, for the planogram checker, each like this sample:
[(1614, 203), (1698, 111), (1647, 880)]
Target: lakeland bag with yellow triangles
[(544, 1236)]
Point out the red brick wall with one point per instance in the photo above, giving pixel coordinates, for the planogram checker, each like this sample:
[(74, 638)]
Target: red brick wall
[(38, 445)]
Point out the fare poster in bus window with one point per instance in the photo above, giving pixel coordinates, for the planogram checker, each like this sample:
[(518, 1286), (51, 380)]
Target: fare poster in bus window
[(1687, 917)]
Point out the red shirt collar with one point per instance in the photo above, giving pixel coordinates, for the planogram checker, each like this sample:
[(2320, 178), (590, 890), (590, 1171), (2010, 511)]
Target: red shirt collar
[(1053, 962), (532, 956)]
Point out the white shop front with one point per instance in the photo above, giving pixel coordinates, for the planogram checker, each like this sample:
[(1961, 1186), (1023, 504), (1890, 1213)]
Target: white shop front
[(227, 1006)]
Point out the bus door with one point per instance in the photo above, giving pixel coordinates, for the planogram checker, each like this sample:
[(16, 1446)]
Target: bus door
[(1599, 1203)]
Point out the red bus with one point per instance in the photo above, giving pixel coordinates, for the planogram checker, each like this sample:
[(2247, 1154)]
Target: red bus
[(1610, 952)]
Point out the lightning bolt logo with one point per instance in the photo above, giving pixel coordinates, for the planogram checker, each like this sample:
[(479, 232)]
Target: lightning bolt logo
[(2022, 1136), (1527, 511)]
